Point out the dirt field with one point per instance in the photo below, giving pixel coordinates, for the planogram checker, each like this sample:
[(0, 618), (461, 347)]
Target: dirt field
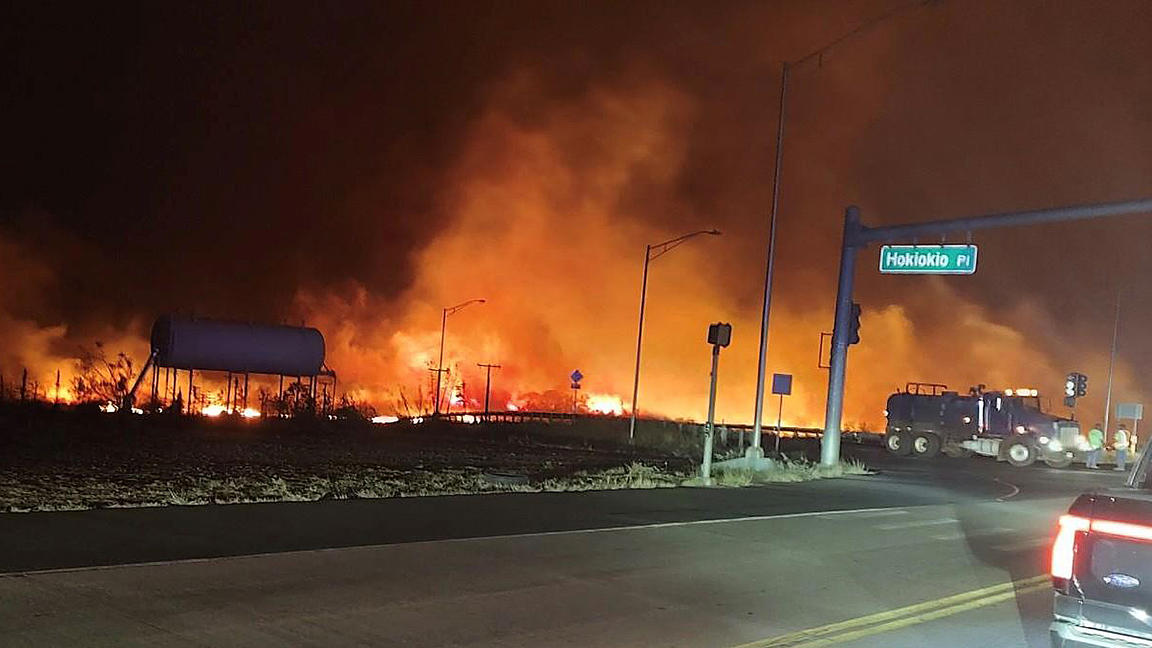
[(60, 460)]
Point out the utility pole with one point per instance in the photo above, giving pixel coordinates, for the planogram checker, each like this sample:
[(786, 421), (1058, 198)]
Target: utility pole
[(487, 383), (1112, 364), (857, 236)]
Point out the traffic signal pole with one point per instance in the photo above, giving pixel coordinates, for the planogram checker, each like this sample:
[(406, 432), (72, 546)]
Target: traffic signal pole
[(833, 412), (858, 236)]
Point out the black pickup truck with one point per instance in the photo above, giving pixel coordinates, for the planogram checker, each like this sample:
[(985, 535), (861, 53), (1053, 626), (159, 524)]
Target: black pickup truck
[(1102, 567)]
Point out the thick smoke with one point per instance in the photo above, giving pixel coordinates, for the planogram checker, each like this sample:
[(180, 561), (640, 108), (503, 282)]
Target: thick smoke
[(527, 158)]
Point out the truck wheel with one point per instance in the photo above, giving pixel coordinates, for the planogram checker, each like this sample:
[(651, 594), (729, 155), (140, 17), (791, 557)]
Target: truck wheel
[(1020, 452), (898, 443), (925, 445), (1058, 460)]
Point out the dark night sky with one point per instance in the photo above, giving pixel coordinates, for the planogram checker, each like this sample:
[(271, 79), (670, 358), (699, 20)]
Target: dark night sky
[(208, 143), (222, 157), (246, 148)]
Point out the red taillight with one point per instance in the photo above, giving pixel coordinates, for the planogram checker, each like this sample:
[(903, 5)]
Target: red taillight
[(1063, 548), (1122, 529)]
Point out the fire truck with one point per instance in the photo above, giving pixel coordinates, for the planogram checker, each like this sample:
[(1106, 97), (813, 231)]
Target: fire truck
[(926, 419)]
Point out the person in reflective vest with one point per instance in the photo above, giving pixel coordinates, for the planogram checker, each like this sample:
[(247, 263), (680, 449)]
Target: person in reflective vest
[(1120, 444), (1095, 445)]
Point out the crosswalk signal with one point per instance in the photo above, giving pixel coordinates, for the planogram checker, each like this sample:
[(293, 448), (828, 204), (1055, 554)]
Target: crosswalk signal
[(854, 325), (1070, 385)]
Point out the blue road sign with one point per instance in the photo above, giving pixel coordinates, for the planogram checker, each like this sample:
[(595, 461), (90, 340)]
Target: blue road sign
[(782, 384)]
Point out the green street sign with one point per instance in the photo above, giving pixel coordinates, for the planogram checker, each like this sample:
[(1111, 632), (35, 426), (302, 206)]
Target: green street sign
[(928, 259)]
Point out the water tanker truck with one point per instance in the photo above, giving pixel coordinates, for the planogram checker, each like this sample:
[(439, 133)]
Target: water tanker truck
[(926, 419)]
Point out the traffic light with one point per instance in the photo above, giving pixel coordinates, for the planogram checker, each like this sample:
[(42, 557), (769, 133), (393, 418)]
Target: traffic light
[(854, 325), (1075, 386)]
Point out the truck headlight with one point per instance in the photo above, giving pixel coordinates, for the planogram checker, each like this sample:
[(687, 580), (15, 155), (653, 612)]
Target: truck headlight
[(1043, 440), (1055, 446)]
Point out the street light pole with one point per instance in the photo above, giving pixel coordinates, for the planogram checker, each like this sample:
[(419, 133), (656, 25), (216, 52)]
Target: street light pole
[(1112, 365), (651, 253), (761, 366), (440, 363), (639, 337), (817, 54)]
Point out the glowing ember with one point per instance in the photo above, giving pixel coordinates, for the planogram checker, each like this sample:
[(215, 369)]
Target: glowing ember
[(213, 410), (512, 407), (609, 404), (250, 413)]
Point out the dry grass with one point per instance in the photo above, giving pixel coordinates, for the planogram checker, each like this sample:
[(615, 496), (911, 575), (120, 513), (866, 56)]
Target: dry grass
[(24, 495), (785, 471), (27, 494)]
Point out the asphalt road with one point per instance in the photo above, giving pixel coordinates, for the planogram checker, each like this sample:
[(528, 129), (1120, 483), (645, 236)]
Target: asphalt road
[(943, 552)]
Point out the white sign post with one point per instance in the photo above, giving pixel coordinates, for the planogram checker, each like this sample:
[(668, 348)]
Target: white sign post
[(1134, 411)]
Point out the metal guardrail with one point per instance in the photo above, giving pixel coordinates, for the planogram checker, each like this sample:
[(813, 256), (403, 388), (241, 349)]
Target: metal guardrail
[(564, 418)]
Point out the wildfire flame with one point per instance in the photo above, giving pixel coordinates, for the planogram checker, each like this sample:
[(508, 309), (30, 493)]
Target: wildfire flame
[(609, 404), (215, 410)]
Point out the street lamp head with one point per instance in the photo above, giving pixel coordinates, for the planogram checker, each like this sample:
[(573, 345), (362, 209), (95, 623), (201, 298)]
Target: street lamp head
[(452, 309)]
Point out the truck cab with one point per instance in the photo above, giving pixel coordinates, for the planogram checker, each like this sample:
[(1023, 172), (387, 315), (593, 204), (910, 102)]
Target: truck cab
[(1102, 567), (1010, 425)]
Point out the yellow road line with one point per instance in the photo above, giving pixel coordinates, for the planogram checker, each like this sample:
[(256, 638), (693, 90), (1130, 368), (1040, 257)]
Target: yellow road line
[(901, 617), (922, 618)]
